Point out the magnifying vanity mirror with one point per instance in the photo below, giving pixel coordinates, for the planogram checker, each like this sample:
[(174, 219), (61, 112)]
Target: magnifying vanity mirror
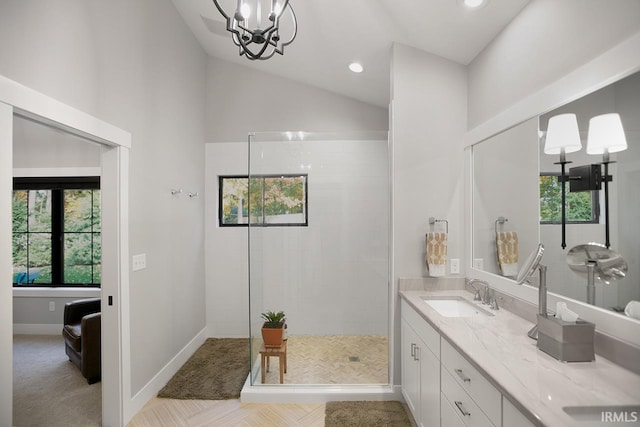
[(530, 265), (594, 262), (514, 180)]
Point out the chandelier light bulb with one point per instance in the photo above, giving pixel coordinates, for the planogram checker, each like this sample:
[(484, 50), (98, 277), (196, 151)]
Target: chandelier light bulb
[(276, 9), (245, 11)]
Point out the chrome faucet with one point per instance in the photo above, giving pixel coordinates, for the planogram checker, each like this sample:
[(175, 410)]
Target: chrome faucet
[(477, 297)]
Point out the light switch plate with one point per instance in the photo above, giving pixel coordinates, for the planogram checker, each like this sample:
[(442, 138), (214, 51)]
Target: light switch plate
[(139, 262), (478, 263), (52, 306)]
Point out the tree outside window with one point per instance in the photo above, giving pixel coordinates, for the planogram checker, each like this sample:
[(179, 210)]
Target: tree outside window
[(271, 200), (56, 232), (581, 207)]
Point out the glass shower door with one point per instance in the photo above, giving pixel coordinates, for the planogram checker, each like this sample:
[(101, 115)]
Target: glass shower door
[(319, 251)]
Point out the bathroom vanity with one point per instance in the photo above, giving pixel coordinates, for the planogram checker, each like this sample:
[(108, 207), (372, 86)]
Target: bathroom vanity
[(481, 369)]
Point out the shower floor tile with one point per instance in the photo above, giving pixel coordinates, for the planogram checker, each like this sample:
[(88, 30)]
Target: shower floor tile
[(335, 359)]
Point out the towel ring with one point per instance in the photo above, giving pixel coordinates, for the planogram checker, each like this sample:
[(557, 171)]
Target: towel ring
[(500, 220), (432, 221)]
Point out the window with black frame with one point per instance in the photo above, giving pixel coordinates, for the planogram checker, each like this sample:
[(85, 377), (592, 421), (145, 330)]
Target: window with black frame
[(265, 200), (581, 207), (56, 232)]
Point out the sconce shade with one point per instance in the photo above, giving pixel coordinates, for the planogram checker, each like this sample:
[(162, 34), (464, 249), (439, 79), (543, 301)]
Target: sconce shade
[(562, 134), (606, 134)]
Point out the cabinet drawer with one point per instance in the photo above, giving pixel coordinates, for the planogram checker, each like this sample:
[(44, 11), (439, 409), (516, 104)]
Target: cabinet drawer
[(448, 414), (468, 410), (424, 330), (473, 382)]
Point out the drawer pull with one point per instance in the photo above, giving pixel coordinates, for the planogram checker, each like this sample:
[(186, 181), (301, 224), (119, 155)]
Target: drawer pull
[(413, 351), (462, 376), (417, 353), (461, 409)]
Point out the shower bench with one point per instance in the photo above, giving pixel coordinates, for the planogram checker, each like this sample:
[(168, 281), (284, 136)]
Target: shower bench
[(280, 353)]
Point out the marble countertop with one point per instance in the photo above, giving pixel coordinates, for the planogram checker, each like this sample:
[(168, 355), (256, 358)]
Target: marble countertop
[(539, 385)]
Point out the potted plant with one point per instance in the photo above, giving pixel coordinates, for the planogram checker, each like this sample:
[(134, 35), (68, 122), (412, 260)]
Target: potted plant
[(273, 328)]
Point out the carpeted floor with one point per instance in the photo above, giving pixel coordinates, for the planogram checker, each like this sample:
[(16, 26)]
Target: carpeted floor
[(48, 390), (216, 371), (366, 414)]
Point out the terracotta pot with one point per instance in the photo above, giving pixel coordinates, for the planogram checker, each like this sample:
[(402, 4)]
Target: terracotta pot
[(272, 337)]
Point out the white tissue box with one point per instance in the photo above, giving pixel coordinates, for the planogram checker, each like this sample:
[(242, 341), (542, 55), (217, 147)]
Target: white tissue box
[(566, 341)]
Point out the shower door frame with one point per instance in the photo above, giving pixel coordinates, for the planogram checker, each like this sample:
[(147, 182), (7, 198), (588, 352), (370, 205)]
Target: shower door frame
[(302, 393)]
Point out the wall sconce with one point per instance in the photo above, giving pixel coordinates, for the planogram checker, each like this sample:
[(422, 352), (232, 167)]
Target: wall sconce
[(605, 136), (562, 137)]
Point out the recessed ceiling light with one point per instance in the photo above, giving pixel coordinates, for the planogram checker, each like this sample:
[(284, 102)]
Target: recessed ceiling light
[(356, 67), (473, 4)]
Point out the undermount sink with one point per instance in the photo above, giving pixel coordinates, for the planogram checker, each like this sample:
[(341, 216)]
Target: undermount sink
[(455, 306)]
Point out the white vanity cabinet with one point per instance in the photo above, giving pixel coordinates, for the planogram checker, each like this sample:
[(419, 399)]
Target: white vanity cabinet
[(441, 387), (420, 367), (478, 402)]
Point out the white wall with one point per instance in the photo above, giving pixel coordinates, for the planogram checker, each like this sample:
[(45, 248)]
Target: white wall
[(276, 104), (259, 102), (6, 264), (505, 183), (227, 272), (335, 269), (39, 146), (546, 41), (136, 65), (429, 119)]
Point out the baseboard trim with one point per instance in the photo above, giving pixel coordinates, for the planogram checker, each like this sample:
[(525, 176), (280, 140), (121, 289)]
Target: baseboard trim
[(37, 329), (151, 389), (317, 393)]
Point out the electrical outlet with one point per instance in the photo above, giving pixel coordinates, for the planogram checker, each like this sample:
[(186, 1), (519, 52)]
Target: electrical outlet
[(52, 306), (455, 266), (478, 263), (139, 262)]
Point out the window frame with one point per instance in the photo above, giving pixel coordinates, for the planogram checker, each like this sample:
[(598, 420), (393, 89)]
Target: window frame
[(595, 203), (57, 185), (221, 179)]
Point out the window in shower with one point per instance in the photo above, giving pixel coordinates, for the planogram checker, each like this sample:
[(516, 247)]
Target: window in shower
[(266, 200)]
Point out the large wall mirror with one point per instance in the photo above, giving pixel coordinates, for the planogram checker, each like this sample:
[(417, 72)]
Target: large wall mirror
[(516, 199)]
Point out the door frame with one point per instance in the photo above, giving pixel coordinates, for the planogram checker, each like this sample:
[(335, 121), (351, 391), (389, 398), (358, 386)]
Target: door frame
[(16, 99)]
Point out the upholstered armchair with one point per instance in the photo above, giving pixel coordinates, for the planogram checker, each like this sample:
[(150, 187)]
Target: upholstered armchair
[(81, 332)]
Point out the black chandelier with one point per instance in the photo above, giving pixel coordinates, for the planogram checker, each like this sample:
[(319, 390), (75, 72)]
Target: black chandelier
[(255, 26)]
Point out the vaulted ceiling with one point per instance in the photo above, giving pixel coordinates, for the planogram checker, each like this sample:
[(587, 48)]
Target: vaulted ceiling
[(334, 33)]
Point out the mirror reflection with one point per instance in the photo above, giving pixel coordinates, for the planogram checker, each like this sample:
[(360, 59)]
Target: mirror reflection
[(505, 203), (524, 187)]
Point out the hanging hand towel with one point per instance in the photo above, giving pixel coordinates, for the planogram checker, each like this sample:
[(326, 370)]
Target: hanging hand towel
[(507, 245), (436, 254)]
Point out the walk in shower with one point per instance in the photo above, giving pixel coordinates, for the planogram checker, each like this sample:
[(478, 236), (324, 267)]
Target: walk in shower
[(319, 237)]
